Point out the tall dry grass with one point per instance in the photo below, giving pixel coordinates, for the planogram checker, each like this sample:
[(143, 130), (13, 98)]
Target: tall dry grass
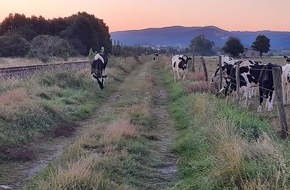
[(78, 175), (119, 129), (14, 102), (218, 149)]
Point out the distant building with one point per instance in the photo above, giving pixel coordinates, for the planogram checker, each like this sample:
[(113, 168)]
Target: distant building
[(250, 53)]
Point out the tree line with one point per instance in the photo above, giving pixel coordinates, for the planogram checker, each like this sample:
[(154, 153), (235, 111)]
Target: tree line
[(81, 33), (199, 45), (62, 37), (233, 46)]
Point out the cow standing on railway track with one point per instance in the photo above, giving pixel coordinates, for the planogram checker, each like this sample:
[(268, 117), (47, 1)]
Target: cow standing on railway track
[(98, 67)]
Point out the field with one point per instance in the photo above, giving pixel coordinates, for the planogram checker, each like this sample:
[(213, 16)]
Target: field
[(60, 131)]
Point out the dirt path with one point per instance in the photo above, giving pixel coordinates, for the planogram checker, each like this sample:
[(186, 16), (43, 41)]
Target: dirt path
[(166, 134), (164, 131)]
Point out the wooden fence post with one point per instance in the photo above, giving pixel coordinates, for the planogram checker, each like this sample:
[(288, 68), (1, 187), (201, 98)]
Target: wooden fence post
[(278, 93), (192, 68), (237, 80), (204, 68), (221, 73)]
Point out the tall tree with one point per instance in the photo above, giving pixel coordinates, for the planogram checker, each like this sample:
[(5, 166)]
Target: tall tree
[(201, 46), (82, 30), (261, 44), (233, 46)]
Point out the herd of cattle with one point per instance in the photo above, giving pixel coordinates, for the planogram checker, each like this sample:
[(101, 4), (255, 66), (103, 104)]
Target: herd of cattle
[(252, 74)]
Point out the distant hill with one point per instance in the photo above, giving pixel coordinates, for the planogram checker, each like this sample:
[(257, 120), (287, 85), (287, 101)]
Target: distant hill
[(181, 36)]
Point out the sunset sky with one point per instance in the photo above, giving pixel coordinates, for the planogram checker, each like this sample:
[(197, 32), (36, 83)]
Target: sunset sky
[(232, 15)]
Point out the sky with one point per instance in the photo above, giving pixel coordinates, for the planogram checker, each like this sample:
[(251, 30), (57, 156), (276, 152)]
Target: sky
[(120, 15)]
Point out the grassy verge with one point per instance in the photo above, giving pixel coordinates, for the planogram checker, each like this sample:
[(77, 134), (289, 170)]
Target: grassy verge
[(49, 104), (223, 147), (119, 149)]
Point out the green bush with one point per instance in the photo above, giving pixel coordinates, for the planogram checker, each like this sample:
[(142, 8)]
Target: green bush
[(13, 46)]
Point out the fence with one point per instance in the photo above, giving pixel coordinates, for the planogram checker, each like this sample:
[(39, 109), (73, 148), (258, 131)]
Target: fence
[(277, 92)]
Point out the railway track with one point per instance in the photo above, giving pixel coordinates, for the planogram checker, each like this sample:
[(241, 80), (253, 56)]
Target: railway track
[(27, 71)]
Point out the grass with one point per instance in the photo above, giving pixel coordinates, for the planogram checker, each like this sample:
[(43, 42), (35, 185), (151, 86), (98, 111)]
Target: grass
[(48, 105), (116, 150), (219, 145), (222, 146)]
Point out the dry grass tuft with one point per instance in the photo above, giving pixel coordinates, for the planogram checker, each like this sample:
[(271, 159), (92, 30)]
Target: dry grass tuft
[(15, 96), (267, 152), (196, 76), (14, 102), (77, 175), (200, 86), (256, 184), (103, 139), (121, 128), (229, 154)]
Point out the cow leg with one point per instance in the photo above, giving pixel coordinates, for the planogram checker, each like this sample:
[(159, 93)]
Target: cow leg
[(174, 76), (284, 92), (245, 96), (178, 75), (270, 101), (260, 100), (287, 93), (184, 76)]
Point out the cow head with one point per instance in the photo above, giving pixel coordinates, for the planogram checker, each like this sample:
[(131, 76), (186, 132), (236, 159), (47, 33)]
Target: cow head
[(226, 70), (225, 62), (287, 59), (227, 59), (183, 64)]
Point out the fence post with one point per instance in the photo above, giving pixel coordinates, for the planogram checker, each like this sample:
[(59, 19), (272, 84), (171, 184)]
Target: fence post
[(221, 73), (204, 68), (192, 68), (278, 93), (238, 80)]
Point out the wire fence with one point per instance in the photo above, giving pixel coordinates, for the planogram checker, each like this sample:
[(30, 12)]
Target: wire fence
[(248, 95)]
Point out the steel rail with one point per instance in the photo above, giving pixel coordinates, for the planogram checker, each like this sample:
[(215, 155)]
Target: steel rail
[(29, 70)]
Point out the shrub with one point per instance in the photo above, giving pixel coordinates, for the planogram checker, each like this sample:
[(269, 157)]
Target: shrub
[(13, 46)]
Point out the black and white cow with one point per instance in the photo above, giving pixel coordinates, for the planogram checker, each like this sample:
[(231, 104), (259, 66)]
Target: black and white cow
[(249, 78), (225, 60), (98, 67), (228, 72), (252, 73), (179, 66), (155, 56), (266, 86), (286, 80)]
